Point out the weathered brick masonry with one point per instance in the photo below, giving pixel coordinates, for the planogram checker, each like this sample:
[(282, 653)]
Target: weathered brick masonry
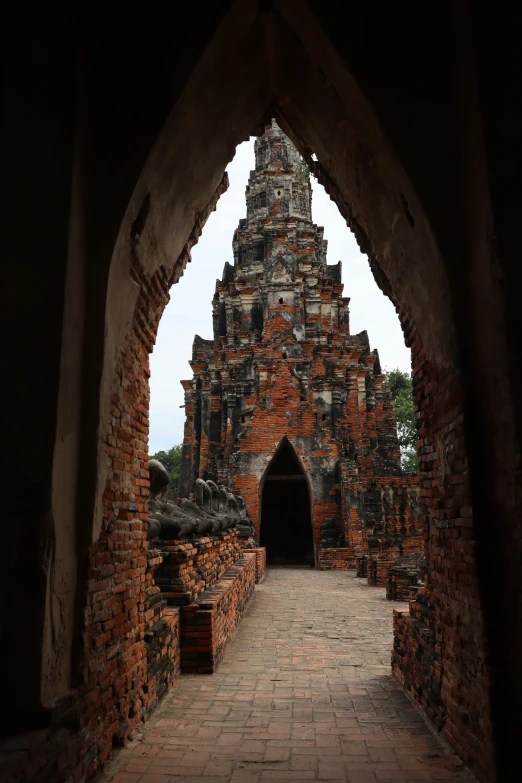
[(407, 114), (283, 375), (211, 578), (191, 567), (404, 577), (439, 651), (335, 559), (453, 683), (126, 661), (378, 571), (130, 651), (260, 553), (210, 622)]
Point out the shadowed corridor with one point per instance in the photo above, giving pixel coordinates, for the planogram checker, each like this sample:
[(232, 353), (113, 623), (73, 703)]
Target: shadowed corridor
[(304, 692)]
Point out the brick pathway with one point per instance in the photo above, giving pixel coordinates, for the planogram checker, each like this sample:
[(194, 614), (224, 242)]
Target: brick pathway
[(304, 693)]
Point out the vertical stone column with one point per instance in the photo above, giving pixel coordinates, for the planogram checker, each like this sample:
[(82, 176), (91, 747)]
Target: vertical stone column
[(188, 442)]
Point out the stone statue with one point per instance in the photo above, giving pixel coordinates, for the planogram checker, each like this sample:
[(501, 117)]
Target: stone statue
[(159, 478), (214, 494), (331, 534), (213, 510), (245, 525)]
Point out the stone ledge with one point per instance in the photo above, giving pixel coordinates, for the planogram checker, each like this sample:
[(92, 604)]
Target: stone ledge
[(190, 568), (208, 624), (336, 559), (260, 553), (377, 571)]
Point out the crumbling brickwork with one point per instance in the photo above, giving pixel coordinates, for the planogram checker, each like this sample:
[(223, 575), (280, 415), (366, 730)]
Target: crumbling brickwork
[(404, 578), (335, 559), (442, 619), (412, 119), (260, 553), (284, 370), (209, 623), (191, 567), (130, 639), (378, 571)]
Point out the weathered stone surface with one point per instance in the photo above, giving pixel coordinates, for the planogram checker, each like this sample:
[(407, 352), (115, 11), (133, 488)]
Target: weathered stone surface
[(209, 623), (405, 576), (158, 476), (302, 693), (411, 115), (215, 510), (283, 376)]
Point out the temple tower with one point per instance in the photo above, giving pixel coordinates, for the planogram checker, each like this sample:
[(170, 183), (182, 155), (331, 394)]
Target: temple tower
[(286, 407)]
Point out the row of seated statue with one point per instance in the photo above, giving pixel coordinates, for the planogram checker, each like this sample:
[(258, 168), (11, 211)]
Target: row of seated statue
[(214, 509)]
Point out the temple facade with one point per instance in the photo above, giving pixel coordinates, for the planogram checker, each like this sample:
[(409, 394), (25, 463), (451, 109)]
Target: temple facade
[(286, 407)]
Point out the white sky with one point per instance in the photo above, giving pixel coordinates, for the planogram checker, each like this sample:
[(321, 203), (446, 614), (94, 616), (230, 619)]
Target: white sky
[(189, 311)]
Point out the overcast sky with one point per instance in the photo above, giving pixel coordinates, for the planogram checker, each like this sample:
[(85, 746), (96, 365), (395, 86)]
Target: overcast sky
[(189, 311)]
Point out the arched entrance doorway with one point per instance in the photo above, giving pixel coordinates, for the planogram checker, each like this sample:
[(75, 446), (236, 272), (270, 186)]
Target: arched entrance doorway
[(286, 519)]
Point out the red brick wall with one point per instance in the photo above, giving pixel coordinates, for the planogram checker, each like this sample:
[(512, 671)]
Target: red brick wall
[(377, 572), (122, 684), (210, 622), (439, 652), (191, 567), (268, 427), (340, 559), (397, 529), (400, 584), (130, 639), (260, 553)]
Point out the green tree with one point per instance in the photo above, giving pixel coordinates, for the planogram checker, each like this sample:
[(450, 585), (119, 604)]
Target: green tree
[(401, 388), (171, 459), (303, 169)]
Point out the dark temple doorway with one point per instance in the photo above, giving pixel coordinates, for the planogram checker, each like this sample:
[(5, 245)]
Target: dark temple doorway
[(286, 523)]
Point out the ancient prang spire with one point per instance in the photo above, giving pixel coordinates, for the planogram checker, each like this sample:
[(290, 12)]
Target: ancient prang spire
[(285, 407)]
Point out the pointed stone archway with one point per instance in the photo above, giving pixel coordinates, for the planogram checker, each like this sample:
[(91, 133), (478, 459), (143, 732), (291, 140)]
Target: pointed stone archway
[(286, 509), (411, 142)]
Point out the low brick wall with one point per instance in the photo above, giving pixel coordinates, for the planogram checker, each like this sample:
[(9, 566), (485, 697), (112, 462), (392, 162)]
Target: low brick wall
[(361, 566), (336, 559), (378, 571), (191, 567), (414, 664), (162, 642), (208, 624), (260, 553), (163, 656), (400, 583), (81, 736)]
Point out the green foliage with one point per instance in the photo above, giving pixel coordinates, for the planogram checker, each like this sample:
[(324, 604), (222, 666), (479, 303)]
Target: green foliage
[(401, 388), (303, 170), (171, 459)]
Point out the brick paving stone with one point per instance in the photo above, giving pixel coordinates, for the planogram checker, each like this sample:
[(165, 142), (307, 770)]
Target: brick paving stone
[(126, 777), (304, 692), (329, 770)]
